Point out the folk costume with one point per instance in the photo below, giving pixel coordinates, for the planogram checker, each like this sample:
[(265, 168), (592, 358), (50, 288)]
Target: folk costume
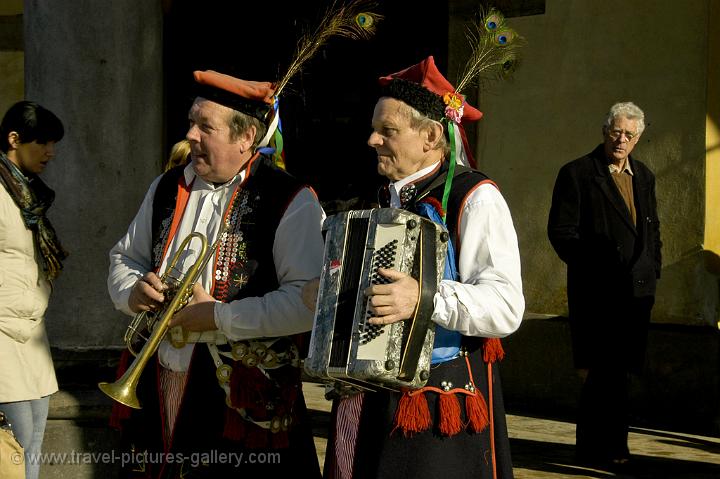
[(455, 425), (241, 390), (608, 240), (237, 389)]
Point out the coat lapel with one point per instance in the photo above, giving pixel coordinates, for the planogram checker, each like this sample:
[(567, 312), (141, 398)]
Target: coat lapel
[(609, 189)]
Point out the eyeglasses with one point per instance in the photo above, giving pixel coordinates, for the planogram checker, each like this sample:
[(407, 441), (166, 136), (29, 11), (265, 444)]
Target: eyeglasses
[(616, 134)]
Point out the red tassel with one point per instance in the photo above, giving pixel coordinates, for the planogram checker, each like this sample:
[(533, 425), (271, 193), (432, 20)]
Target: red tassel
[(120, 412), (235, 425), (477, 412), (280, 440), (247, 387), (413, 414), (450, 420), (256, 437), (492, 350)]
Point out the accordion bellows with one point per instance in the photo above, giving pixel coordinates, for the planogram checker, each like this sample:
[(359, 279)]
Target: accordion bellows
[(344, 346)]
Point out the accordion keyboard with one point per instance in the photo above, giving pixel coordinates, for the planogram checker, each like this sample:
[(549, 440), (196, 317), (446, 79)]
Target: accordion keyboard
[(373, 338), (383, 258)]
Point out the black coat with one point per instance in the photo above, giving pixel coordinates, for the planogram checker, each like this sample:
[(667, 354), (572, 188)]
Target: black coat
[(612, 265)]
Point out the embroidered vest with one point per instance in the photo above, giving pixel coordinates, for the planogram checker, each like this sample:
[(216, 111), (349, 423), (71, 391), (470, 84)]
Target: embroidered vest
[(244, 267)]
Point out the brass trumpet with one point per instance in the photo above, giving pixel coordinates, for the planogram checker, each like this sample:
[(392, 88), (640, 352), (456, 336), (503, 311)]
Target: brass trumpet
[(124, 389)]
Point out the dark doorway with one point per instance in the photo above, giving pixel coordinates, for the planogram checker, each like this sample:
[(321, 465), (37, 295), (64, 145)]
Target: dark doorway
[(327, 108)]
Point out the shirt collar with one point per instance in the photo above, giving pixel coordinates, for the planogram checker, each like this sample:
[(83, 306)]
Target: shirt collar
[(415, 176), (626, 169), (395, 187), (190, 176)]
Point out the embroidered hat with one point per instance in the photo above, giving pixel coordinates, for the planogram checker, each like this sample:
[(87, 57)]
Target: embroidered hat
[(493, 46), (423, 87)]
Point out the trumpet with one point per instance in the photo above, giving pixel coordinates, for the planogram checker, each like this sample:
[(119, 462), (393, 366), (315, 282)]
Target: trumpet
[(124, 389)]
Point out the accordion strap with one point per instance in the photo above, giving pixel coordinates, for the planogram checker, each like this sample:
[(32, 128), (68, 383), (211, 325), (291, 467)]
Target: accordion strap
[(426, 261)]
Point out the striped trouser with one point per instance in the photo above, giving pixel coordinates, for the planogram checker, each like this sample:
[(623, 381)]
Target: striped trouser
[(346, 430), (172, 387)]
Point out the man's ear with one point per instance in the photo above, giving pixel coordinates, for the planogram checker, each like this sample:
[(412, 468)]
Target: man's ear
[(432, 134), (247, 138)]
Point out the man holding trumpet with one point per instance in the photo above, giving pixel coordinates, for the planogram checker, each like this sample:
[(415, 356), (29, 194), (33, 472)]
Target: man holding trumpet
[(235, 384)]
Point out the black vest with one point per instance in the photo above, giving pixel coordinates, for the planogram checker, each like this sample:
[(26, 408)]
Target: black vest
[(464, 180), (255, 212)]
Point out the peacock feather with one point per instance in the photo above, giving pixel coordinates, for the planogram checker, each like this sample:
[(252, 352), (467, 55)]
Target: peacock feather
[(353, 20), (494, 49)]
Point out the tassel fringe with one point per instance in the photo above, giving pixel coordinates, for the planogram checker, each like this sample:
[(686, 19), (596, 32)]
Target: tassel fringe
[(477, 412), (450, 420), (413, 414), (235, 425), (492, 350)]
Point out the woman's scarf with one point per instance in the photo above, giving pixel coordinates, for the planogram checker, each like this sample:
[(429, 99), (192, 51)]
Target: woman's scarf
[(34, 197)]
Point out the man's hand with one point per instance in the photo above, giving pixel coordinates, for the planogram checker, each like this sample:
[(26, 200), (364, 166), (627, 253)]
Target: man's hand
[(147, 295), (393, 302), (199, 314)]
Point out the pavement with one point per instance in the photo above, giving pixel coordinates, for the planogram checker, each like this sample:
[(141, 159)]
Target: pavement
[(542, 448)]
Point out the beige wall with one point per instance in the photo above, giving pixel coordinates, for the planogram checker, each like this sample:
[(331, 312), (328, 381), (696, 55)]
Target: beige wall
[(11, 79), (712, 143), (11, 64), (580, 58), (11, 7)]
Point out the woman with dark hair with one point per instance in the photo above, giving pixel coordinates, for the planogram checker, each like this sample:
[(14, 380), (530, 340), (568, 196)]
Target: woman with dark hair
[(30, 259)]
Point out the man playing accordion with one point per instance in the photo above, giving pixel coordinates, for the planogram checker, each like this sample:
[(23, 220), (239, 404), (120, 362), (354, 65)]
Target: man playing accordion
[(455, 424)]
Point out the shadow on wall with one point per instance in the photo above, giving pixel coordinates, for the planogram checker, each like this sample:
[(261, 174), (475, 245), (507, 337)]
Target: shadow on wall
[(679, 389), (697, 303)]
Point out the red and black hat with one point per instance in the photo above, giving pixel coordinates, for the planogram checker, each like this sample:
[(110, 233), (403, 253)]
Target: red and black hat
[(250, 97), (424, 88)]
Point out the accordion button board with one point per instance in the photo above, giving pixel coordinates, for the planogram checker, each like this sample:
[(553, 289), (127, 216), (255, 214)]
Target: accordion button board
[(344, 346)]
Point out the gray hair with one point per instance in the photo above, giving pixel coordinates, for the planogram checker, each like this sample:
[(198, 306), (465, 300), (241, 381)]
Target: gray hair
[(239, 122), (627, 110), (419, 121)]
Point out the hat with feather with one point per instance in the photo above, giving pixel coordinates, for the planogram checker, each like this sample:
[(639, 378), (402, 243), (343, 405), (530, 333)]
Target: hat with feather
[(423, 87), (352, 19)]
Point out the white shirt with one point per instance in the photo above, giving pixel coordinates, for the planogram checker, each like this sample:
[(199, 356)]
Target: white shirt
[(297, 254), (616, 169), (487, 300)]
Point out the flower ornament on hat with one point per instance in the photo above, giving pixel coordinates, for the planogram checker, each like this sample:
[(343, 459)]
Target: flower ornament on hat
[(261, 99), (422, 86)]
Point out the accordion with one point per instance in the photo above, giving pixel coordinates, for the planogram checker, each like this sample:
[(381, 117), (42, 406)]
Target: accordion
[(344, 346)]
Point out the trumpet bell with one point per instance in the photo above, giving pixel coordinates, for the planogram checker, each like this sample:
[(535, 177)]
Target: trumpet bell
[(122, 392), (157, 324)]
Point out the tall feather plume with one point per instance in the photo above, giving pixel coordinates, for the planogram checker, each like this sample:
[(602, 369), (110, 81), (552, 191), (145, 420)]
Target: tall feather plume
[(352, 20), (494, 48)]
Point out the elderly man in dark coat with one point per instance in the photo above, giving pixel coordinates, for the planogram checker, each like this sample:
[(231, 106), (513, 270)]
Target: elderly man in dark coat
[(604, 225)]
